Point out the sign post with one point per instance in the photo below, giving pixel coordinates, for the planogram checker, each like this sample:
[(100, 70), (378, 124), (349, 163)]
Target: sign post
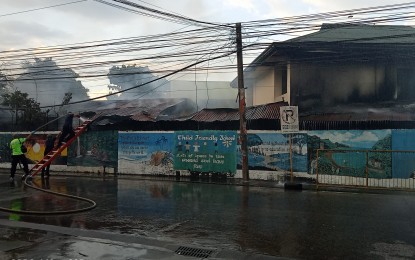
[(289, 119), (289, 125)]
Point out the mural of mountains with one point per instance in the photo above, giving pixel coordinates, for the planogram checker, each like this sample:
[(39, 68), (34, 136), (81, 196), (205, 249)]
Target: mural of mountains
[(254, 139), (383, 144), (315, 141)]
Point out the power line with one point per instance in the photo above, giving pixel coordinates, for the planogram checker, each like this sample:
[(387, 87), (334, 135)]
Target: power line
[(165, 76), (194, 44), (160, 14), (42, 8)]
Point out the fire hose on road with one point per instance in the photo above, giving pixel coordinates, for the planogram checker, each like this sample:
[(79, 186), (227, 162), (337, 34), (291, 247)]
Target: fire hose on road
[(28, 182)]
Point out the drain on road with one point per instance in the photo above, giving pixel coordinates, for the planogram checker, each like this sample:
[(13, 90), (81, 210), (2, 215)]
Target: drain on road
[(191, 251)]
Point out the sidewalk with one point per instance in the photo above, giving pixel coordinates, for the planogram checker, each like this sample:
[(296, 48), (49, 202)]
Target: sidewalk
[(21, 240), (297, 185)]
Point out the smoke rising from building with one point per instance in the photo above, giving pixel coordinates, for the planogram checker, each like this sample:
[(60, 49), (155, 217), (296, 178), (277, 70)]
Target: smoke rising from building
[(47, 83)]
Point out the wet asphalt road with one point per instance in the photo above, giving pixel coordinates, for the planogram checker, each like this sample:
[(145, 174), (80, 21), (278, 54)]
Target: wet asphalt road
[(271, 221)]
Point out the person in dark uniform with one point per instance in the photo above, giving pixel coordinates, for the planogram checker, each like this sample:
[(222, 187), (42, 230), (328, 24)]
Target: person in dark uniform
[(49, 144), (67, 129)]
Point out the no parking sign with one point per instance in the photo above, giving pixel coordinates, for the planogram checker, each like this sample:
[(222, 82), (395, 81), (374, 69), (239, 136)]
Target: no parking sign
[(289, 119)]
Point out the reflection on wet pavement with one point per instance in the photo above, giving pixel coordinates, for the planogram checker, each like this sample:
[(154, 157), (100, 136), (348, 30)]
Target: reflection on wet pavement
[(251, 219), (96, 249)]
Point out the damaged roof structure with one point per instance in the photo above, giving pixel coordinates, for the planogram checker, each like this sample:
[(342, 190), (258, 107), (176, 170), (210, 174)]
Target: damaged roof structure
[(178, 114), (138, 113)]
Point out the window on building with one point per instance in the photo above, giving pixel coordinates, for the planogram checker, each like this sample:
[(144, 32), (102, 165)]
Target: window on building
[(406, 84), (284, 80)]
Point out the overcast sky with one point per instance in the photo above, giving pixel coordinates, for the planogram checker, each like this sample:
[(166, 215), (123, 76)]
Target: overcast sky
[(91, 21)]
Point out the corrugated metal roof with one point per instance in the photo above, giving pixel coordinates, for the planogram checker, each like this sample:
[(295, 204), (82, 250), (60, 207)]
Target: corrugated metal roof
[(267, 111), (137, 110), (144, 109), (360, 33), (217, 114)]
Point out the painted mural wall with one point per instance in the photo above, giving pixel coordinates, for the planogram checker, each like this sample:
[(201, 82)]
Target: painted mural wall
[(94, 149), (145, 153), (205, 151), (351, 158), (270, 151), (5, 155), (35, 147), (403, 162), (164, 153)]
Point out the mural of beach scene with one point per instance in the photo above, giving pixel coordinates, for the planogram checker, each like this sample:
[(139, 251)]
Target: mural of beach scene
[(351, 157), (270, 151), (145, 152)]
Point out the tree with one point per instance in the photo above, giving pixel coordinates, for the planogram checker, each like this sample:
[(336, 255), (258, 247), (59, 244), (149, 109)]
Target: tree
[(26, 110), (4, 85), (300, 140), (3, 82)]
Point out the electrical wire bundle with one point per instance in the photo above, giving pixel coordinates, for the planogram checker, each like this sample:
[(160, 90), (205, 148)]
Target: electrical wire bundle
[(208, 48)]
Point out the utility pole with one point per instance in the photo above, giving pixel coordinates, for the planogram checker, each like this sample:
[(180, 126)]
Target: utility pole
[(242, 104)]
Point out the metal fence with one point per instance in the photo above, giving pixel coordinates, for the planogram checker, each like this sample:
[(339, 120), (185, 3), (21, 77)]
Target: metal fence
[(366, 168)]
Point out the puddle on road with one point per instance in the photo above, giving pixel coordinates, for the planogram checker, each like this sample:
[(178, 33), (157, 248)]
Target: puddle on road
[(221, 216), (98, 249), (258, 220)]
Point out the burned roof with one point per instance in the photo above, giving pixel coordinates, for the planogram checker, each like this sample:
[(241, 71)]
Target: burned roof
[(134, 115), (113, 111), (267, 111)]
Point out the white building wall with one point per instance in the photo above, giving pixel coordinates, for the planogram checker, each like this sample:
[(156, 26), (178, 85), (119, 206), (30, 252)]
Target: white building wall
[(263, 87)]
